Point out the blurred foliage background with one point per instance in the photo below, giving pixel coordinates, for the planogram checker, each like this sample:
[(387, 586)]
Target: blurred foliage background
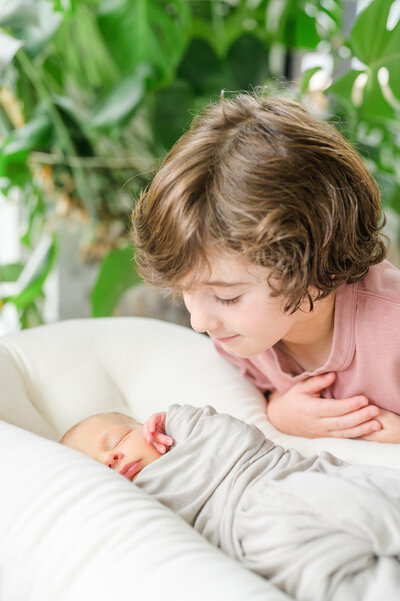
[(93, 93)]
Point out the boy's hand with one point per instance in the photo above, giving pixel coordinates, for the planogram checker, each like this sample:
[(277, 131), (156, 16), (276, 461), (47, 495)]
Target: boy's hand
[(390, 431), (302, 412), (154, 432)]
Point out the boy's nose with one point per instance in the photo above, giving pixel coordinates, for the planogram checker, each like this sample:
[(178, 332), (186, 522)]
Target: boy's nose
[(202, 321), (202, 316)]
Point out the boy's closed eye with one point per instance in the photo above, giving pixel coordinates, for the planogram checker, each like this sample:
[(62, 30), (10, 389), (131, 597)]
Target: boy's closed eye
[(227, 301)]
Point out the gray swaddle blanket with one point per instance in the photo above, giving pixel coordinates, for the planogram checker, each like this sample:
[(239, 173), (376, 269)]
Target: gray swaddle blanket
[(318, 528)]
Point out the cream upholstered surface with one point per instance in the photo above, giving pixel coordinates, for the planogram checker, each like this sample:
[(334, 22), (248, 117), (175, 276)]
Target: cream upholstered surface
[(71, 530)]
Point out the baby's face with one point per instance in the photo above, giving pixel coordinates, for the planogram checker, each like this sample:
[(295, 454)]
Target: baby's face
[(115, 440)]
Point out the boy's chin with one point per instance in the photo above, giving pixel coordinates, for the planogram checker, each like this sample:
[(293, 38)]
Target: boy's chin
[(244, 352)]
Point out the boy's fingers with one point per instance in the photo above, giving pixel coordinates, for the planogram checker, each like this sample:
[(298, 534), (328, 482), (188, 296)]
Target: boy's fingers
[(362, 430), (317, 383), (337, 407), (353, 419)]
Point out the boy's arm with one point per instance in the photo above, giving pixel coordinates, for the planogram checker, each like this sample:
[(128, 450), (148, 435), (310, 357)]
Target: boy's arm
[(302, 412)]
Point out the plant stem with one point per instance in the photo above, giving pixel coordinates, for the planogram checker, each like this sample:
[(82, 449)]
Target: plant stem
[(217, 21), (64, 138), (84, 162)]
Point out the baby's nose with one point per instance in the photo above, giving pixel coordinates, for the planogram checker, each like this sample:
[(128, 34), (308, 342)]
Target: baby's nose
[(113, 459)]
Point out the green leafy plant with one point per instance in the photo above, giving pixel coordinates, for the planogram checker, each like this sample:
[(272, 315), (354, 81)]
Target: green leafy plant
[(368, 95)]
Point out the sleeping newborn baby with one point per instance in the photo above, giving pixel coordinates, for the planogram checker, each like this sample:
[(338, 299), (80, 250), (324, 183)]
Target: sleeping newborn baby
[(318, 528), (116, 440)]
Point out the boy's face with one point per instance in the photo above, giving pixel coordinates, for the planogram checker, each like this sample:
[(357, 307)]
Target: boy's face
[(232, 302), (115, 440)]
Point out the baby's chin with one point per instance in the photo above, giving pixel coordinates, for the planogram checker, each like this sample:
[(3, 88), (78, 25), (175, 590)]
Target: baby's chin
[(147, 461)]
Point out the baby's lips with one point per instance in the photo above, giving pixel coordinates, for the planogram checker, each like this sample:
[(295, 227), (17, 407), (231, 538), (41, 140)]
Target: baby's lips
[(130, 469)]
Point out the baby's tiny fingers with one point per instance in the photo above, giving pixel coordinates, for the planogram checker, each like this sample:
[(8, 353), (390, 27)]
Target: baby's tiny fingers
[(160, 447), (164, 438), (146, 433)]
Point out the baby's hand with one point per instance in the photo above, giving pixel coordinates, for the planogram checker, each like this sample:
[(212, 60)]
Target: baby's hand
[(302, 412), (154, 432)]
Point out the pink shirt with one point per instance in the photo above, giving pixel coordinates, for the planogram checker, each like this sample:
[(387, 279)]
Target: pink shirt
[(365, 351)]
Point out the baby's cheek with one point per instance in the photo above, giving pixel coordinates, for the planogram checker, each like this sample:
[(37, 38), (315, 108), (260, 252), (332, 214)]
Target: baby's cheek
[(154, 454)]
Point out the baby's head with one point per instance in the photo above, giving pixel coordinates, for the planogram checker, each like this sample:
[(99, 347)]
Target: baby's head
[(113, 439)]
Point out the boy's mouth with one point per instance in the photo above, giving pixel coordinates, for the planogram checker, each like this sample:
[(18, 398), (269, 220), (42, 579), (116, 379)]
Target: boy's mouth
[(228, 338), (131, 469)]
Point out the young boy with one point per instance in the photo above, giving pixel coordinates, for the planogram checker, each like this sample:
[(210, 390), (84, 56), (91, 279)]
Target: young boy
[(310, 525), (268, 223)]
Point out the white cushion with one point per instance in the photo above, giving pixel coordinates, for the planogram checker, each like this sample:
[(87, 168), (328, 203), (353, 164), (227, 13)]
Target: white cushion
[(71, 530)]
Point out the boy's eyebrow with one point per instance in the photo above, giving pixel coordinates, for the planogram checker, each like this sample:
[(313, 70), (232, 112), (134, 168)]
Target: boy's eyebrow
[(221, 283), (217, 283)]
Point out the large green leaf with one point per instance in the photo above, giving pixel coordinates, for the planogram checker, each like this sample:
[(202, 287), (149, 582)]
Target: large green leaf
[(14, 169), (125, 97), (145, 31), (375, 107), (10, 272), (342, 89), (36, 35), (34, 287), (289, 22), (306, 77), (116, 275), (393, 67), (28, 137), (305, 31), (67, 7), (18, 13), (248, 61), (220, 24), (9, 46), (198, 64), (173, 112), (80, 36), (370, 39)]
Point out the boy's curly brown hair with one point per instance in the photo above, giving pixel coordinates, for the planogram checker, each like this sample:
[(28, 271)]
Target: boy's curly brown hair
[(261, 177)]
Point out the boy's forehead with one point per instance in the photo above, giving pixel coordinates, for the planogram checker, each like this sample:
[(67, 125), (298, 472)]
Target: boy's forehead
[(223, 269)]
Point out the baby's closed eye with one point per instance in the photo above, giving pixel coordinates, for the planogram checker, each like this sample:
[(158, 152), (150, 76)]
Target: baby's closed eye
[(115, 438)]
